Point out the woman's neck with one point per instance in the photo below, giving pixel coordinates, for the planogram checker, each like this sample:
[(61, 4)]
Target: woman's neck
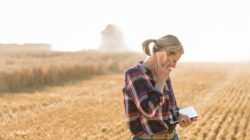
[(149, 64)]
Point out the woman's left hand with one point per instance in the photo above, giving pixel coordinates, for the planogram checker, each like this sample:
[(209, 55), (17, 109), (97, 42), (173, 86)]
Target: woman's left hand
[(184, 120)]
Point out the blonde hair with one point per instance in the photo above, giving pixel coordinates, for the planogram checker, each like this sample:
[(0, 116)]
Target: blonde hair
[(169, 43)]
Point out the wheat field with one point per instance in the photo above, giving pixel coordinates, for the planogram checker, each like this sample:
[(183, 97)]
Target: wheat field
[(92, 108)]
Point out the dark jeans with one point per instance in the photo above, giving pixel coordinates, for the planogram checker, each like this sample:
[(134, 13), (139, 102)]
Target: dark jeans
[(174, 138)]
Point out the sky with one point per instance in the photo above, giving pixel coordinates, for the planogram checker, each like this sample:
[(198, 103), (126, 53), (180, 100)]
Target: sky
[(210, 30)]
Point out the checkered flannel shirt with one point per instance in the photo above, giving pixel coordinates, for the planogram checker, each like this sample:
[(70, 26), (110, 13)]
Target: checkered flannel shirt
[(147, 110)]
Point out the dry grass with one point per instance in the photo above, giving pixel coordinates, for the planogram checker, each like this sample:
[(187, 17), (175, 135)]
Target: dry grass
[(29, 70), (93, 109)]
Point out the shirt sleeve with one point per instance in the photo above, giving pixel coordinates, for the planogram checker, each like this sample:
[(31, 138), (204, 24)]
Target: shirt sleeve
[(146, 97)]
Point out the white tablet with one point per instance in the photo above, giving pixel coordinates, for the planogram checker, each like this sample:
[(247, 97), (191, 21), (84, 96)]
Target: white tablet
[(189, 111)]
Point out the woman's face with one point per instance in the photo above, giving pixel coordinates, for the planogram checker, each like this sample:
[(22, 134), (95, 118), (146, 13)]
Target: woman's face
[(173, 59)]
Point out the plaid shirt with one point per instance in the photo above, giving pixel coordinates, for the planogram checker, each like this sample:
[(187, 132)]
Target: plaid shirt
[(147, 110)]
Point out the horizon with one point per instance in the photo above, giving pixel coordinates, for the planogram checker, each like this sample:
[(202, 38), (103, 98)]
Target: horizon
[(209, 30), (128, 51)]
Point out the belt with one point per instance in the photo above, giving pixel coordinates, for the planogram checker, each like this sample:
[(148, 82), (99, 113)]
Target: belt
[(168, 136)]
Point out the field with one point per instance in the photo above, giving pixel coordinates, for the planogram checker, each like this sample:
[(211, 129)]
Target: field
[(66, 96)]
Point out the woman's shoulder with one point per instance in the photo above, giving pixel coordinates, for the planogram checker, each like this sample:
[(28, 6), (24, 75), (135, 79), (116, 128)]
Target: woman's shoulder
[(132, 70), (135, 70)]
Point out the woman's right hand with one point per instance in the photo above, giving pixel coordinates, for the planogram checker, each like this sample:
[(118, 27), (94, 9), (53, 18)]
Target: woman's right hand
[(162, 69)]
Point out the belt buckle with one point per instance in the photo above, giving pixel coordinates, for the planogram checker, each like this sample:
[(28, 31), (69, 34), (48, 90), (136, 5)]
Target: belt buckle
[(159, 136), (164, 136)]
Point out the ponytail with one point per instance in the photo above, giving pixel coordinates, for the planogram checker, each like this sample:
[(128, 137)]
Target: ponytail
[(145, 46)]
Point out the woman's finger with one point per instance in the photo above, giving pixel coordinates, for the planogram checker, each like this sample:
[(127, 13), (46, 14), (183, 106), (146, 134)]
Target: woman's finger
[(194, 119), (167, 65), (188, 120), (182, 123), (185, 121)]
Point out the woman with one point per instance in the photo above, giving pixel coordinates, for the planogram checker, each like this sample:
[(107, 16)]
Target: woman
[(149, 100)]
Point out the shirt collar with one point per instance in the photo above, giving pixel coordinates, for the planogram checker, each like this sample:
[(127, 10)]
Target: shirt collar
[(139, 64)]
